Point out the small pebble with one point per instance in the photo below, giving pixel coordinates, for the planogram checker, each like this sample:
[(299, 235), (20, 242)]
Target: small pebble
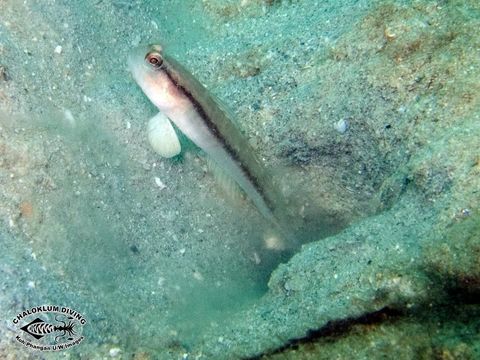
[(114, 351), (58, 49), (198, 276), (466, 212)]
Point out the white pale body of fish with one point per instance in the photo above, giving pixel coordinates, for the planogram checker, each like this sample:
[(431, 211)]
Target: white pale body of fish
[(179, 96)]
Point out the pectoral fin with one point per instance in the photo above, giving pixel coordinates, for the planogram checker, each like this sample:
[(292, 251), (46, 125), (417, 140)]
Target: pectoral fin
[(162, 136)]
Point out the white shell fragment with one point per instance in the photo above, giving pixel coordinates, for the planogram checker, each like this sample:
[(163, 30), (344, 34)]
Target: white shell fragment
[(162, 136), (341, 126), (159, 183), (69, 117)]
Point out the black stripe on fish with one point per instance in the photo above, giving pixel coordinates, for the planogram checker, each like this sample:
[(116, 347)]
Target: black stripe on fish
[(211, 125)]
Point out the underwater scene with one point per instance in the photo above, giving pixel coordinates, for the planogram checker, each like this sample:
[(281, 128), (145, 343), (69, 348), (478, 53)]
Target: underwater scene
[(239, 179)]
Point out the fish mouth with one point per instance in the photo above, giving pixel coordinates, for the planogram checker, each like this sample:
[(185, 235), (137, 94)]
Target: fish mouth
[(135, 58)]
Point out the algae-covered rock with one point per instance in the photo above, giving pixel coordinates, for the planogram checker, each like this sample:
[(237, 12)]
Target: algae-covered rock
[(454, 259), (424, 334), (420, 256)]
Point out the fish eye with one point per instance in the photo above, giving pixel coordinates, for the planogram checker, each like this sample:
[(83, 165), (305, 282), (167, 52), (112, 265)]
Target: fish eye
[(154, 59)]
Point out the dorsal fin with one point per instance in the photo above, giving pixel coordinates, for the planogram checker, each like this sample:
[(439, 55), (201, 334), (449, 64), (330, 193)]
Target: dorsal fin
[(222, 117)]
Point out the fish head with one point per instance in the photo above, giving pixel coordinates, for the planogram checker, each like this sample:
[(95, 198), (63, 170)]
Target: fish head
[(150, 70)]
